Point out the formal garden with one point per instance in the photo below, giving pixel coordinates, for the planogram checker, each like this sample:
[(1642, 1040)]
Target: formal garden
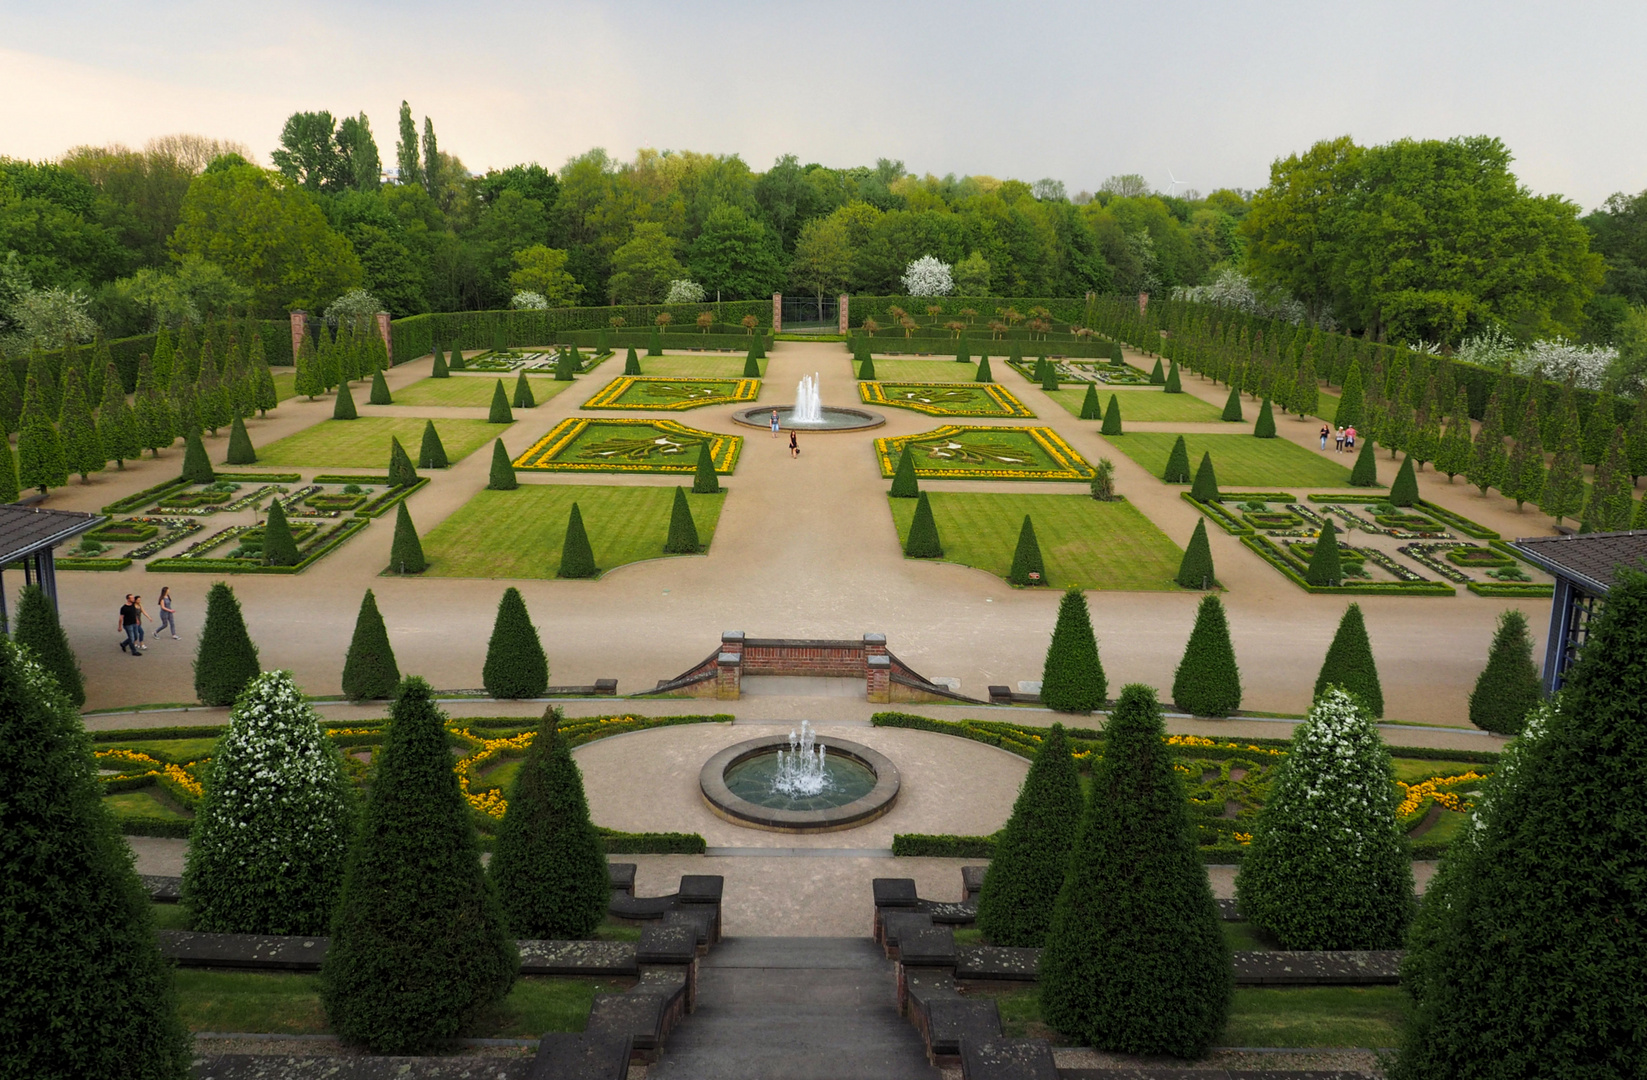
[(656, 392), (579, 444), (946, 399), (985, 453)]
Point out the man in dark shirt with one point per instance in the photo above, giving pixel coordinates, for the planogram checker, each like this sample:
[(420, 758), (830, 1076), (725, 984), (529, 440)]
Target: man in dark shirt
[(128, 626)]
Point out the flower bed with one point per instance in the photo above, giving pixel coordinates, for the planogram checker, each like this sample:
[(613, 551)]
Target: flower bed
[(1105, 372), (986, 453), (662, 393), (1478, 556), (945, 399), (581, 444), (124, 530), (315, 541), (1411, 583), (1272, 519)]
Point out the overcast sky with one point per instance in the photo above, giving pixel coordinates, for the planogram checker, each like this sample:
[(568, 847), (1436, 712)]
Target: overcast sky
[(1212, 92)]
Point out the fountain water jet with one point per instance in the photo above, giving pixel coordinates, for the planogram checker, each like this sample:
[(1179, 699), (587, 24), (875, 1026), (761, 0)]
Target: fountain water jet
[(808, 403), (800, 771)]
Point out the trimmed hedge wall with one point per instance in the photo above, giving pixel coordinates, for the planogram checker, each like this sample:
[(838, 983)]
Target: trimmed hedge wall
[(417, 335), (126, 352)]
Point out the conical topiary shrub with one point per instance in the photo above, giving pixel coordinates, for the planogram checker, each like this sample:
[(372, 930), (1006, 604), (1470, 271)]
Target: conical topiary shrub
[(1208, 680), (1072, 677), (983, 373), (272, 831), (1404, 488), (515, 664), (432, 453), (38, 627), (343, 408), (401, 472), (1156, 376), (440, 370), (1232, 406), (1174, 385), (454, 359), (279, 549), (568, 364), (549, 864), (654, 344), (1205, 488), (1265, 428), (904, 485), (523, 392), (1177, 470), (1112, 417), (866, 368), (705, 481), (86, 990), (419, 946), (1049, 375), (240, 445), (380, 390), (1090, 408), (751, 365), (197, 467), (406, 552), (631, 362), (683, 531), (369, 668), (226, 660), (1135, 961), (577, 558), (1195, 569), (500, 413), (1349, 663), (1508, 687), (1328, 866), (923, 542), (1032, 850), (1365, 471), (1325, 568), (503, 470), (1027, 567)]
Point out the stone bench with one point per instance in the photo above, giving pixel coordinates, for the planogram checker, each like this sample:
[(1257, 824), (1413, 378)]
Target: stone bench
[(950, 1021), (1010, 1059), (997, 963), (605, 959), (1378, 967), (895, 924), (585, 1056), (640, 1016), (260, 952)]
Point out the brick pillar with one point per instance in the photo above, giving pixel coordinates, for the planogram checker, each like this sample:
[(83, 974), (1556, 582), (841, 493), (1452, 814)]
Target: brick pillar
[(877, 669), (300, 322), (388, 340), (1143, 302), (777, 313), (845, 322), (729, 666)]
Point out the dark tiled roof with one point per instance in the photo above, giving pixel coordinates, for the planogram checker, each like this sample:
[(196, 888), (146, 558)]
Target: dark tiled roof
[(1591, 560), (26, 529)]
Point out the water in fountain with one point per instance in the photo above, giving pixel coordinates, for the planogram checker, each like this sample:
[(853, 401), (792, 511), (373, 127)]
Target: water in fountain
[(808, 404), (800, 770)]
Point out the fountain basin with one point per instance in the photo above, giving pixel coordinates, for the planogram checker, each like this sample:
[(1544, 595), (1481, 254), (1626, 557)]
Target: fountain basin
[(748, 767), (833, 419)]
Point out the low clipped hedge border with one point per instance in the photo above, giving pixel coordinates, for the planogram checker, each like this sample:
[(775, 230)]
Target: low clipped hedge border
[(1474, 530), (92, 564), (144, 497), (383, 503), (259, 478), (235, 566), (1266, 549)]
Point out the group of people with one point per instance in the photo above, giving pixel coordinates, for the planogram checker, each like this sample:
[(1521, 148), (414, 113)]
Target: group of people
[(132, 615), (794, 442), (1343, 438)]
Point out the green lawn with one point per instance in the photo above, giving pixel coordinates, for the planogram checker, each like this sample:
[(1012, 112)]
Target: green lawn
[(926, 370), (1083, 542), (1239, 459), (289, 1004), (473, 390), (518, 534), (285, 385), (1291, 1016), (1143, 405), (364, 443), (144, 802), (689, 367)]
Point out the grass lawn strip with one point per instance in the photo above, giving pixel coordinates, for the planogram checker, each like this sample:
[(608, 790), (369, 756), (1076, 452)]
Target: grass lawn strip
[(937, 370), (946, 399), (692, 367), (461, 391), (1095, 545), (518, 534), (582, 444), (1143, 406), (986, 453), (1239, 460), (661, 392), (364, 443)]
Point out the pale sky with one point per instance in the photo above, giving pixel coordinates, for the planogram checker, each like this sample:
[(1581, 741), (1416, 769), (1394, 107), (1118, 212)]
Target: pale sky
[(1212, 92)]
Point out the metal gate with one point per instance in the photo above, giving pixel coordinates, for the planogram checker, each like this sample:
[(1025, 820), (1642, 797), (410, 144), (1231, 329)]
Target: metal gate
[(811, 314)]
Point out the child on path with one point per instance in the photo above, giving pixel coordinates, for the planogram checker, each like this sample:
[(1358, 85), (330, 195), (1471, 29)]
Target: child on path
[(166, 612)]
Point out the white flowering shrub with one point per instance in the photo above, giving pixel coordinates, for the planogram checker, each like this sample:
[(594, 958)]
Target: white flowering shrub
[(1586, 365), (1233, 289), (352, 307), (928, 276), (1328, 865), (274, 823), (47, 316), (529, 301), (684, 291)]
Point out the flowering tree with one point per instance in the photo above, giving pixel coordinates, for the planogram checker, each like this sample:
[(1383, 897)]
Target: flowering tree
[(529, 301), (1233, 289), (684, 291), (927, 276), (352, 306)]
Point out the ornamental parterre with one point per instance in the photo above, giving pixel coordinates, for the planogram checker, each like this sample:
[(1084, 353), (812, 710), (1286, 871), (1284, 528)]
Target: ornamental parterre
[(986, 453), (653, 392), (581, 444), (946, 399)]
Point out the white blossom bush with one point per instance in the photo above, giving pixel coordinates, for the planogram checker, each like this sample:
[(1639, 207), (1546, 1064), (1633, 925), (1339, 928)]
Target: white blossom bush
[(47, 316), (1328, 865), (928, 276), (1586, 365), (1492, 348), (684, 291), (1233, 289), (353, 306), (529, 301), (273, 825)]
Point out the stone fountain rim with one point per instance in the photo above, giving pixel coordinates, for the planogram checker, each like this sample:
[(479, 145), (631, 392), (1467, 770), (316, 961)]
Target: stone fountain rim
[(761, 417), (723, 803)]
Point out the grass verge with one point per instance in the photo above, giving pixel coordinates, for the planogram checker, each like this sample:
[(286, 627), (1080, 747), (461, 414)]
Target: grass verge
[(364, 443), (1240, 460)]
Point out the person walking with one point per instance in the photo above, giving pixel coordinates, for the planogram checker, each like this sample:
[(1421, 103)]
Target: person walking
[(1338, 440), (774, 423), (1325, 431), (142, 614), (794, 444), (1349, 438), (127, 625), (166, 613)]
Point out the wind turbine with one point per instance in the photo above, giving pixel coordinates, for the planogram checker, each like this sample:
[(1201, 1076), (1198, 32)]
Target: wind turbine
[(1172, 187)]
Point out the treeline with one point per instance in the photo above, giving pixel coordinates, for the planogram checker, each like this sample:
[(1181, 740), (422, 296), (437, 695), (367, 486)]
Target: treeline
[(1416, 403)]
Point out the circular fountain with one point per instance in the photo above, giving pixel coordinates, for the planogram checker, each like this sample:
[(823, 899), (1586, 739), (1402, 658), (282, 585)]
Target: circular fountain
[(795, 783), (809, 413)]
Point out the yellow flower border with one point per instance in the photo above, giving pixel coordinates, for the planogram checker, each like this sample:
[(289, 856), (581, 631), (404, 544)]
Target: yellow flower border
[(723, 449), (607, 396), (1070, 464), (874, 393)]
